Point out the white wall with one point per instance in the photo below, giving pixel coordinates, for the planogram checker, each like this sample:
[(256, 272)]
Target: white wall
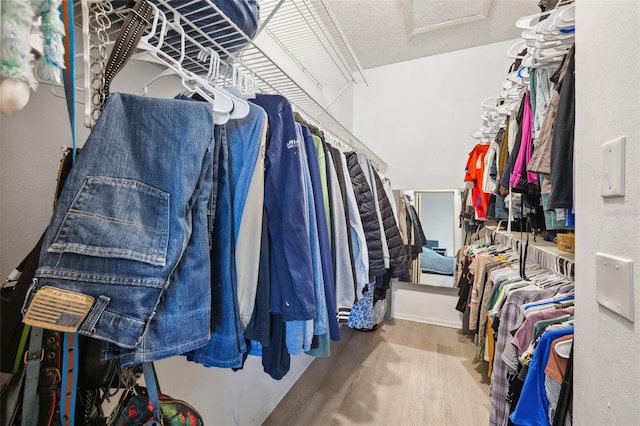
[(29, 155), (339, 103), (425, 303), (417, 116), (607, 372)]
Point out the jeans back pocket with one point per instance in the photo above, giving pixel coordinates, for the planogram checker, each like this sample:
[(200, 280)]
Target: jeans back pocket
[(116, 218)]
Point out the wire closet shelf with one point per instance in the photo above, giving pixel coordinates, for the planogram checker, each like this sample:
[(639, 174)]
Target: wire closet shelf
[(314, 67)]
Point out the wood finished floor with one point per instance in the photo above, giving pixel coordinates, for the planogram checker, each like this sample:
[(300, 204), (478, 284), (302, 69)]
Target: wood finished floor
[(405, 373)]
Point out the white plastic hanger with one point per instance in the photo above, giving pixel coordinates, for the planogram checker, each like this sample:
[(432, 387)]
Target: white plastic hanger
[(560, 19), (564, 348), (219, 116), (514, 51), (529, 22), (476, 134), (490, 103), (558, 43), (242, 85), (252, 87), (166, 73), (222, 104), (241, 107), (546, 40), (546, 56), (555, 36)]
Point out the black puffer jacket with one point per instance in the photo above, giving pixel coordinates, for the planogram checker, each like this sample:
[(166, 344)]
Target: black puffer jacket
[(398, 255), (419, 239), (368, 215)]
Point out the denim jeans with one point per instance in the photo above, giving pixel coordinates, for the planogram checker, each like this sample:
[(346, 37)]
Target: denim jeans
[(122, 229), (226, 345)]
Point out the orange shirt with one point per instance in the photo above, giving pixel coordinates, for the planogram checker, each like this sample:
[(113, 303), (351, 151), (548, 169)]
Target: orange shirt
[(474, 173)]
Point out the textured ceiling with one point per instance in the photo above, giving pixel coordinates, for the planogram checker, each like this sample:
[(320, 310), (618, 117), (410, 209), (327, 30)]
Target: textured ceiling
[(429, 15), (383, 32)]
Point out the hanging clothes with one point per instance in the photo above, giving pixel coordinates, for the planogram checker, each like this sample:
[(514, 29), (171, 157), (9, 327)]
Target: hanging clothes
[(414, 233), (368, 171), (325, 297), (541, 157), (368, 214), (258, 329), (299, 334), (292, 292), (419, 238), (358, 238), (515, 137), (503, 152), (543, 88), (226, 344), (159, 261), (522, 180), (398, 256), (474, 173), (247, 143), (561, 196), (533, 406), (345, 287), (268, 235)]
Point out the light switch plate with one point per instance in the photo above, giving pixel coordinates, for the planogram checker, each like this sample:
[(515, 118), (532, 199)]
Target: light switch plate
[(613, 157), (614, 284)]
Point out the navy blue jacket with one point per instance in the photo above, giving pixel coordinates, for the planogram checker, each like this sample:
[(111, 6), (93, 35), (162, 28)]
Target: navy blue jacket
[(292, 292)]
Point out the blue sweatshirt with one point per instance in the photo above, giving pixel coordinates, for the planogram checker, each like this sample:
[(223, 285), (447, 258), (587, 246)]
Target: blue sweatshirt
[(292, 292)]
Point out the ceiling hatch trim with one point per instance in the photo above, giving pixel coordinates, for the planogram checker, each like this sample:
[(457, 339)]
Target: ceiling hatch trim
[(411, 16)]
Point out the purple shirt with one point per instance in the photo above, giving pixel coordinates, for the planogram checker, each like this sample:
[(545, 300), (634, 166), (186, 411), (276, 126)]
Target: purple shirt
[(500, 407), (523, 336)]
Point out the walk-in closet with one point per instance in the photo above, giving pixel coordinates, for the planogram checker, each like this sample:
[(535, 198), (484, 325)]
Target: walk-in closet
[(319, 212)]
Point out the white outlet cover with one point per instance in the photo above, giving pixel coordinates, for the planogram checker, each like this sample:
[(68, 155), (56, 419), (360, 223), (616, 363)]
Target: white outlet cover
[(613, 159), (614, 284)]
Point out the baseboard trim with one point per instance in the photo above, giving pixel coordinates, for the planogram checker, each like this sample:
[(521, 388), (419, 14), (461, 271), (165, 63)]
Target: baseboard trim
[(289, 380), (427, 320)]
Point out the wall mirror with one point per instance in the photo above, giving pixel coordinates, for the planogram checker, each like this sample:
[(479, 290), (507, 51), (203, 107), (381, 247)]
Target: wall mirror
[(438, 212)]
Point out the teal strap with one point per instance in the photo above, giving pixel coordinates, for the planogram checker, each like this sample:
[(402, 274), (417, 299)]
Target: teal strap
[(70, 69), (69, 369), (33, 357), (152, 389), (70, 353)]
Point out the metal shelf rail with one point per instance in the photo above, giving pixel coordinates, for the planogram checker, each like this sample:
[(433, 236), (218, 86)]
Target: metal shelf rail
[(299, 51)]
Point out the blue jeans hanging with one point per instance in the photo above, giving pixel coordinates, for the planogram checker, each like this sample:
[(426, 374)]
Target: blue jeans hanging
[(226, 345), (122, 229)]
